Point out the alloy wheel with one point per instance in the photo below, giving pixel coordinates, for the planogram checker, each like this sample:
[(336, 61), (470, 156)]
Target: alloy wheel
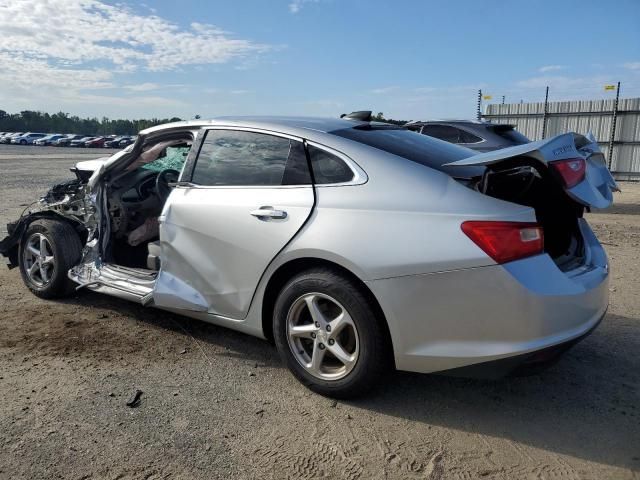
[(322, 336), (39, 260)]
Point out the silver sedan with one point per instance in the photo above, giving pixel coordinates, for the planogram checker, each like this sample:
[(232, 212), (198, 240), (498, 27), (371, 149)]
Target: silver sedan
[(356, 247)]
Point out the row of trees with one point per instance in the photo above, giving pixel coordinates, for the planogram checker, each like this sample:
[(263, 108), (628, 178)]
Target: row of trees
[(379, 117), (31, 121)]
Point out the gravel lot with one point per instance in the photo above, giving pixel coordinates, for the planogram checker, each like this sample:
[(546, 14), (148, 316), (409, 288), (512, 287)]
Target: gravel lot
[(218, 404)]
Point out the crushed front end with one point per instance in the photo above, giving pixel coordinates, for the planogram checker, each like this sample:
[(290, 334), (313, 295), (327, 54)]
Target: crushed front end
[(69, 201)]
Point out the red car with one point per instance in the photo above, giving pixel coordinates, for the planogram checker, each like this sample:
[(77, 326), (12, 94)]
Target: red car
[(96, 142)]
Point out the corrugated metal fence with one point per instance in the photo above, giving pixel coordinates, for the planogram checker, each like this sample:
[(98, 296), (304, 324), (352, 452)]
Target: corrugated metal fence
[(581, 116)]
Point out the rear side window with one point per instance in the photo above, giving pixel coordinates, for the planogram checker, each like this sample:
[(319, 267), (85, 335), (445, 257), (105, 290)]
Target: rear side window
[(466, 137), (236, 158), (443, 132), (328, 168)]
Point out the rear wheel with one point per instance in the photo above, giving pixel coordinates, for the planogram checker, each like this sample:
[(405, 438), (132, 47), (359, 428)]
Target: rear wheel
[(48, 250), (328, 334)]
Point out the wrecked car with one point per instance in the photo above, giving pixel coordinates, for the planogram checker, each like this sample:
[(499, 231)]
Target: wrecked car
[(355, 247)]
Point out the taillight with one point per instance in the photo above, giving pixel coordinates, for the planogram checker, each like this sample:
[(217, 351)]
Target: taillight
[(506, 241), (571, 170)]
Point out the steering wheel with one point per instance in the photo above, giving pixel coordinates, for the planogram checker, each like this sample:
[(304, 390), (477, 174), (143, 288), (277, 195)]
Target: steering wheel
[(163, 180)]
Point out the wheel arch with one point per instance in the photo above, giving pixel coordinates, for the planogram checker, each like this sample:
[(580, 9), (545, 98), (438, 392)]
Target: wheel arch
[(292, 267), (9, 246)]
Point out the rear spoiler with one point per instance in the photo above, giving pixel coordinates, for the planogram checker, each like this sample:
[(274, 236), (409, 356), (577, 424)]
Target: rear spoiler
[(559, 147)]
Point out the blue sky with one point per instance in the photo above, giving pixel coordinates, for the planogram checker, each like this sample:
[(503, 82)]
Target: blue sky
[(408, 59)]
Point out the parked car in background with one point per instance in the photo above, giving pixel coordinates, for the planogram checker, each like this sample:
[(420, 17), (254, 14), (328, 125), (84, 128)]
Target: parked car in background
[(114, 142), (80, 142), (7, 138), (126, 141), (394, 249), (480, 136), (95, 142), (49, 139), (27, 138), (67, 139)]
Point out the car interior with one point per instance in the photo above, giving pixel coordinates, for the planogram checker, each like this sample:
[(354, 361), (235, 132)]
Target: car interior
[(136, 197)]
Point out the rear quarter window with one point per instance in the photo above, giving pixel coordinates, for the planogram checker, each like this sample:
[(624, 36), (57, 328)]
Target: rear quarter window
[(328, 168)]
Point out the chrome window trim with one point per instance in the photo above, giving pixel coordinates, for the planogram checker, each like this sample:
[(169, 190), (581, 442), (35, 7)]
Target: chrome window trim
[(359, 176), (254, 130), (482, 139)]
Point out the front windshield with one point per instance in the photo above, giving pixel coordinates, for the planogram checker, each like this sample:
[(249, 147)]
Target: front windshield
[(174, 159)]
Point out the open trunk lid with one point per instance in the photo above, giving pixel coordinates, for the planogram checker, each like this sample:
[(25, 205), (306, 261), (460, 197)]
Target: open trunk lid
[(595, 189)]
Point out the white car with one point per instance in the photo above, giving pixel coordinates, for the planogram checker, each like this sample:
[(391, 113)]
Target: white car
[(48, 139), (27, 138)]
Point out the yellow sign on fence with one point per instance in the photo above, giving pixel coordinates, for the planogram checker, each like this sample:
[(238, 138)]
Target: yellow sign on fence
[(609, 87), (487, 97)]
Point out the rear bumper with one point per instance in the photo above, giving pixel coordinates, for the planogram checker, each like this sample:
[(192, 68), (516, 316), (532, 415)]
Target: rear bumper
[(519, 365), (450, 320)]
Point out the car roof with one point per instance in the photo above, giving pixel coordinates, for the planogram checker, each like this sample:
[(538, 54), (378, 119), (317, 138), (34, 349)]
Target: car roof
[(292, 125)]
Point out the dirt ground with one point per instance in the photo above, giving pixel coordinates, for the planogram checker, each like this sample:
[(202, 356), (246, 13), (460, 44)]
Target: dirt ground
[(218, 404)]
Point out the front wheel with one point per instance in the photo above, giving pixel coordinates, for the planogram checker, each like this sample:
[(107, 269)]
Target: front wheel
[(48, 250), (329, 335)]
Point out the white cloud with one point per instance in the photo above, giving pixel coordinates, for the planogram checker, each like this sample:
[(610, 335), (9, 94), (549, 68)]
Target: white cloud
[(296, 5), (143, 87), (632, 65), (79, 31), (65, 51), (384, 90), (551, 68), (23, 72), (565, 83)]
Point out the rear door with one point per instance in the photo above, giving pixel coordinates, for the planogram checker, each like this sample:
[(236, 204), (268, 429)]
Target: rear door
[(245, 197)]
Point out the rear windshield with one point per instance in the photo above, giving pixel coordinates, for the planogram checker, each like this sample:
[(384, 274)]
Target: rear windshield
[(413, 146), (513, 136)]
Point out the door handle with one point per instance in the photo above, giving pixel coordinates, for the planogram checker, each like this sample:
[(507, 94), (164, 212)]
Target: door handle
[(268, 212)]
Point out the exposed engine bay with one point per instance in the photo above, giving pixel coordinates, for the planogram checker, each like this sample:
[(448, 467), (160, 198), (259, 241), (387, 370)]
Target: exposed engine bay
[(116, 220)]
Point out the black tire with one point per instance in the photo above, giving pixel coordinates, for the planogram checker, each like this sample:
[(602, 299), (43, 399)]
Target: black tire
[(374, 357), (66, 248)]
